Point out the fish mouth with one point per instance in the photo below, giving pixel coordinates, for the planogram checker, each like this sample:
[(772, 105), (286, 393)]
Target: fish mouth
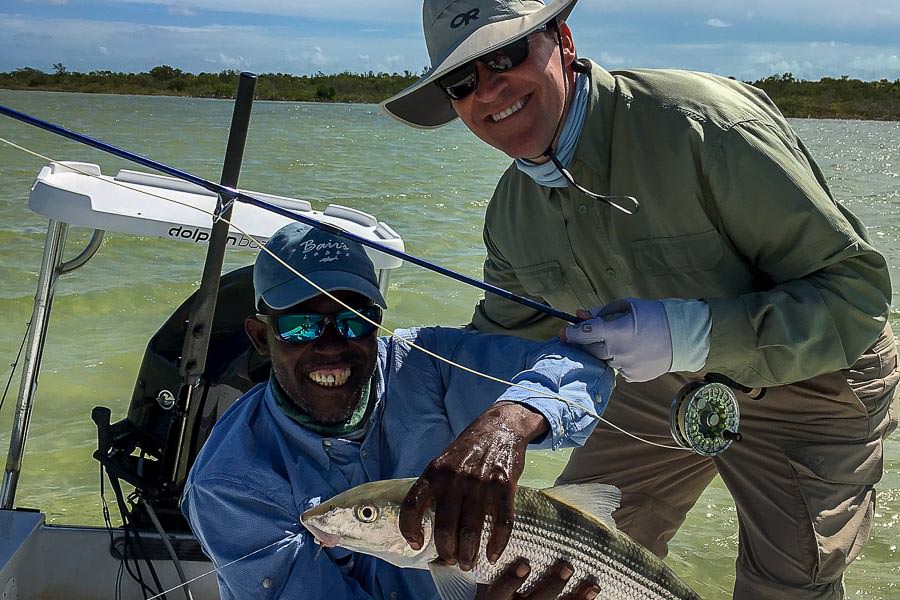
[(329, 540)]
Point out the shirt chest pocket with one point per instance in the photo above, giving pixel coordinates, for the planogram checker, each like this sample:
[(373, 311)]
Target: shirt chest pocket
[(541, 279), (679, 254), (551, 284)]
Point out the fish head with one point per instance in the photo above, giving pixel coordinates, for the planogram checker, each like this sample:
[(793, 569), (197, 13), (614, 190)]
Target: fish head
[(366, 519)]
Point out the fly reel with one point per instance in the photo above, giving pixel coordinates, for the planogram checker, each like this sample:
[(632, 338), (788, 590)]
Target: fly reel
[(705, 417)]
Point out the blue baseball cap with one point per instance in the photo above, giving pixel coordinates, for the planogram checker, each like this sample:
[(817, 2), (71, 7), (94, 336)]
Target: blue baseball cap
[(333, 263)]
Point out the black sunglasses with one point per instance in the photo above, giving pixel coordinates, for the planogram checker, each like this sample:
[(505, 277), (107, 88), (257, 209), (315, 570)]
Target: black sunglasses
[(462, 81), (299, 328)]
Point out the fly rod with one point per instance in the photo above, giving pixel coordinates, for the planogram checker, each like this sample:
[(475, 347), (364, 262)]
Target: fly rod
[(233, 194)]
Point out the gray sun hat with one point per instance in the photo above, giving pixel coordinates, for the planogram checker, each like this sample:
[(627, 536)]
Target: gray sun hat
[(333, 263), (457, 31)]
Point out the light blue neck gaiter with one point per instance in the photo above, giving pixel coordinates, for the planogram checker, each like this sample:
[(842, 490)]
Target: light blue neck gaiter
[(546, 174)]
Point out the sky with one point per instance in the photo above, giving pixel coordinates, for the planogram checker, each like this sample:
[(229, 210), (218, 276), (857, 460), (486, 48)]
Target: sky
[(749, 40)]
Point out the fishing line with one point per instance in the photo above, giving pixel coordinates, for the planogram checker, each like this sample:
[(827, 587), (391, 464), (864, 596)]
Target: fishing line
[(379, 326), (233, 194), (217, 569), (14, 365)]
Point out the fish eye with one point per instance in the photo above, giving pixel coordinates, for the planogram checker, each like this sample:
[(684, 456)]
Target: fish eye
[(366, 513)]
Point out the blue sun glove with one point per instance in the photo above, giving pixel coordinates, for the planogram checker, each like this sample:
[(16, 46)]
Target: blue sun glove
[(644, 339)]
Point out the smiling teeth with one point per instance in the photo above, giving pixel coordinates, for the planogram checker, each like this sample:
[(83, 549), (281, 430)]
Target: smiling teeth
[(330, 378), (505, 113)]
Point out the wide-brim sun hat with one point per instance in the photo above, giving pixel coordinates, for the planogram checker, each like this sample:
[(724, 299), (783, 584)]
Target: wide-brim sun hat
[(456, 32)]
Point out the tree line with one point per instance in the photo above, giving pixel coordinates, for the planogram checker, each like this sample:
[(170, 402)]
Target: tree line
[(169, 81), (828, 97)]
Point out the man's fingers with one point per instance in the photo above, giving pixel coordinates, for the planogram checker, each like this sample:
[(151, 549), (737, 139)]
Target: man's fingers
[(585, 590), (502, 518), (446, 526), (506, 584), (471, 523), (586, 332), (411, 511), (553, 582)]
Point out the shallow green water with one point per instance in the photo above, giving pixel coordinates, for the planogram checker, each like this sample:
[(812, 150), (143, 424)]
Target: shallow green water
[(431, 187)]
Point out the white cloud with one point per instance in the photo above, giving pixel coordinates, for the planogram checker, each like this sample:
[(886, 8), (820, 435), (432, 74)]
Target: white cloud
[(797, 68), (877, 63), (613, 61), (836, 13), (181, 10), (232, 62), (384, 11), (764, 57), (103, 50), (717, 23), (317, 57)]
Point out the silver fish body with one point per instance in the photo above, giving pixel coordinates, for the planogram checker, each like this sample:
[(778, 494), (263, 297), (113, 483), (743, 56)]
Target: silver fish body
[(547, 529), (571, 522)]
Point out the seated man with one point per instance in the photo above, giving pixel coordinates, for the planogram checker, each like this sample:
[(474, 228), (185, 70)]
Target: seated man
[(344, 407)]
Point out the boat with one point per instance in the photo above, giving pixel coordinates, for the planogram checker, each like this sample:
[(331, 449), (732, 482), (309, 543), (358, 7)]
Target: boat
[(152, 553)]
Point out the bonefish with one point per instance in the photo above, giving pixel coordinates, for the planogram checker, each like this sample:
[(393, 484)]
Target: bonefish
[(571, 522)]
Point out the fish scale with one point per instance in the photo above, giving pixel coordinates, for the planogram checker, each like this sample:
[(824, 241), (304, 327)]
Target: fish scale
[(546, 530)]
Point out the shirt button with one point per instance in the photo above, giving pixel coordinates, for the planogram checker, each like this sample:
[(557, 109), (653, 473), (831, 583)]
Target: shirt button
[(267, 583), (394, 595), (611, 272), (326, 443), (582, 209), (364, 453)]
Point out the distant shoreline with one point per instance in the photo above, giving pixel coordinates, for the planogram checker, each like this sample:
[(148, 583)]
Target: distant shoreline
[(828, 98)]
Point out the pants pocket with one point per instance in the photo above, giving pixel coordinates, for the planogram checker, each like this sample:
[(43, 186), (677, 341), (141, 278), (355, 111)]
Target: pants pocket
[(873, 379), (836, 485), (893, 413)]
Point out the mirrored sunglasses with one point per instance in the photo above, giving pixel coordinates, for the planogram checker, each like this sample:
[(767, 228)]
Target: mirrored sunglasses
[(462, 81), (299, 328)]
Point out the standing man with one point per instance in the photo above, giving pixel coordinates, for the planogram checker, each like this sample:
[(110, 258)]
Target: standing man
[(686, 210), (344, 407)]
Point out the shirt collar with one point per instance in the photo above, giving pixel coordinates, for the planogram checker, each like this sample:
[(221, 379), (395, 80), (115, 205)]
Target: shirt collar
[(593, 146), (309, 442)]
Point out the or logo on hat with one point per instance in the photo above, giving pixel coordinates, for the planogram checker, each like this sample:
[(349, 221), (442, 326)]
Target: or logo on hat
[(464, 18)]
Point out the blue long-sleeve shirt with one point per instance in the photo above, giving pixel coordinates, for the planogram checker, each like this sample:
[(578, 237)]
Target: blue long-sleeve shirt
[(260, 469)]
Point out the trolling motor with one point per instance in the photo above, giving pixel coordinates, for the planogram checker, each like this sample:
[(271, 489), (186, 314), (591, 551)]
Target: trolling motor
[(705, 416)]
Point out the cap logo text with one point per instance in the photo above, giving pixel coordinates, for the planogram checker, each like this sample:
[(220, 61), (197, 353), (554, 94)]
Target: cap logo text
[(325, 251), (464, 18)]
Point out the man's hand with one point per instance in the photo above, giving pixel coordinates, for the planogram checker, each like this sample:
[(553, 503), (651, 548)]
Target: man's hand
[(476, 476), (631, 335), (505, 586)]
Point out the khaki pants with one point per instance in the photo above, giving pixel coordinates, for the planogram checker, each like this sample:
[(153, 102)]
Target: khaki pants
[(802, 478)]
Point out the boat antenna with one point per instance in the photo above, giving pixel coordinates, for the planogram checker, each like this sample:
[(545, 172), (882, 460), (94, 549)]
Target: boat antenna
[(200, 318)]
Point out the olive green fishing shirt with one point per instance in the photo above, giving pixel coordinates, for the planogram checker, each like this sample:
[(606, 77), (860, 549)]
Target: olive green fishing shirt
[(733, 210)]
